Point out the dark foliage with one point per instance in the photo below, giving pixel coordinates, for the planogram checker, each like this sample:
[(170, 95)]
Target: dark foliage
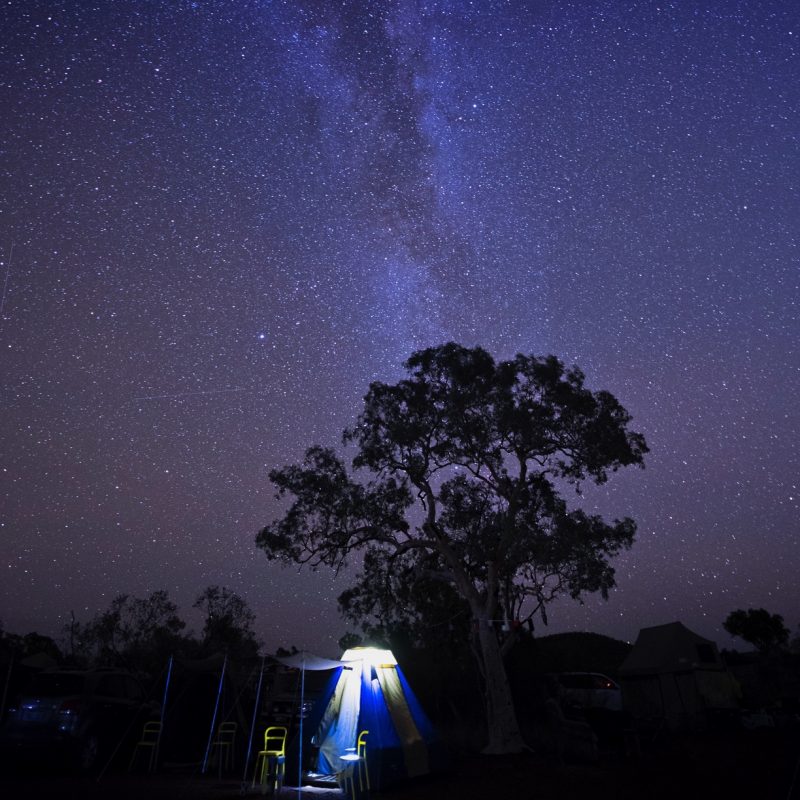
[(765, 631), (228, 625), (15, 647), (474, 447), (134, 633), (141, 633)]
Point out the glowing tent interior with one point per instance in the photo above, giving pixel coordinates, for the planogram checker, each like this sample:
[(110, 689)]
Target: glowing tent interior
[(369, 692)]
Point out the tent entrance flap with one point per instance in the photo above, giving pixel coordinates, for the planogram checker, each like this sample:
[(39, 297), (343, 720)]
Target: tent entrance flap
[(339, 726), (415, 751)]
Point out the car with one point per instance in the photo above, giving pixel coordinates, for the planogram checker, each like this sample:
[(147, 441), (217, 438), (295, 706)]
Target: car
[(80, 715), (589, 690)]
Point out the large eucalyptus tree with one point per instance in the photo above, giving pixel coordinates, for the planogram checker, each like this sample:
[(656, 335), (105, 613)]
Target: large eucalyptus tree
[(459, 468)]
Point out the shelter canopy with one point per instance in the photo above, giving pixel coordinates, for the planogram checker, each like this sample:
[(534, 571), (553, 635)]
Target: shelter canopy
[(308, 661)]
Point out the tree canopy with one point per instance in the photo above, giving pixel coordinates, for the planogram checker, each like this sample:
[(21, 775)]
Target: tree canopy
[(133, 632), (228, 623), (15, 646), (457, 504), (140, 633), (765, 631)]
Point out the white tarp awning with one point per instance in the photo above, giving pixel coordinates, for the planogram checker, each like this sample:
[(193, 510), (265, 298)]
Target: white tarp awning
[(308, 661)]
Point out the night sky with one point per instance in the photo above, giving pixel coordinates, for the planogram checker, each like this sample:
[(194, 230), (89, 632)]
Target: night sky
[(222, 220)]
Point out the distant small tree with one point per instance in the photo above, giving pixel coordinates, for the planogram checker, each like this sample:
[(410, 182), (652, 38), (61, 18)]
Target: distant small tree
[(137, 633), (228, 625), (15, 646), (765, 631), (794, 644)]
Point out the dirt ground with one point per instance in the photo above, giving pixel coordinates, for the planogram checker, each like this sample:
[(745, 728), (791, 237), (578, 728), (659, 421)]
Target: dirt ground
[(759, 764)]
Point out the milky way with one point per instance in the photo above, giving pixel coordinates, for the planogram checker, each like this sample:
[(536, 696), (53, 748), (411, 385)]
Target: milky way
[(221, 221)]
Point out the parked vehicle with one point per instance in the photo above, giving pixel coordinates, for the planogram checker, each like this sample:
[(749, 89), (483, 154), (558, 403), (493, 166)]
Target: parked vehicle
[(80, 715), (590, 690)]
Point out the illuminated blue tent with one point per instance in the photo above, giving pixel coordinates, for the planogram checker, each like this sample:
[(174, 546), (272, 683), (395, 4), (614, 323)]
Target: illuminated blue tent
[(368, 692)]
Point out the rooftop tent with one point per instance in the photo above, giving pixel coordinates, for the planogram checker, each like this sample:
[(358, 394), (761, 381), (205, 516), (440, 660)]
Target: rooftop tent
[(675, 675), (369, 692)]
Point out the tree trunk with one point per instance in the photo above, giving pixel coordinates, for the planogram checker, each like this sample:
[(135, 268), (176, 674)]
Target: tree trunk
[(501, 719)]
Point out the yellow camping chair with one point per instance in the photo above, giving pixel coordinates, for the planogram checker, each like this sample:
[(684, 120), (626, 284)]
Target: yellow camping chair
[(363, 768), (355, 759), (272, 759), (151, 737), (225, 745)]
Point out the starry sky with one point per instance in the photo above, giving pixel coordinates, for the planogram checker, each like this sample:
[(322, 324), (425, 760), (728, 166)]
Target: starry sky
[(219, 221)]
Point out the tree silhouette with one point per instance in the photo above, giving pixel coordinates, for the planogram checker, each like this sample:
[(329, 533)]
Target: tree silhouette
[(15, 647), (137, 633), (462, 464), (228, 624), (765, 631)]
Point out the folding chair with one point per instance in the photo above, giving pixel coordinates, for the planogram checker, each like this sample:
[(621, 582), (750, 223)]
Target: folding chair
[(363, 768), (355, 761), (272, 759), (151, 736), (225, 746)]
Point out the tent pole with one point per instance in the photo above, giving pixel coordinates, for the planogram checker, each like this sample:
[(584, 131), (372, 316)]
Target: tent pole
[(214, 717), (253, 724), (163, 708), (302, 708), (6, 685)]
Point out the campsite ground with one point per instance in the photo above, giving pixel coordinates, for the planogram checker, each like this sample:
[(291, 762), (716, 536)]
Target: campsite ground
[(759, 764)]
